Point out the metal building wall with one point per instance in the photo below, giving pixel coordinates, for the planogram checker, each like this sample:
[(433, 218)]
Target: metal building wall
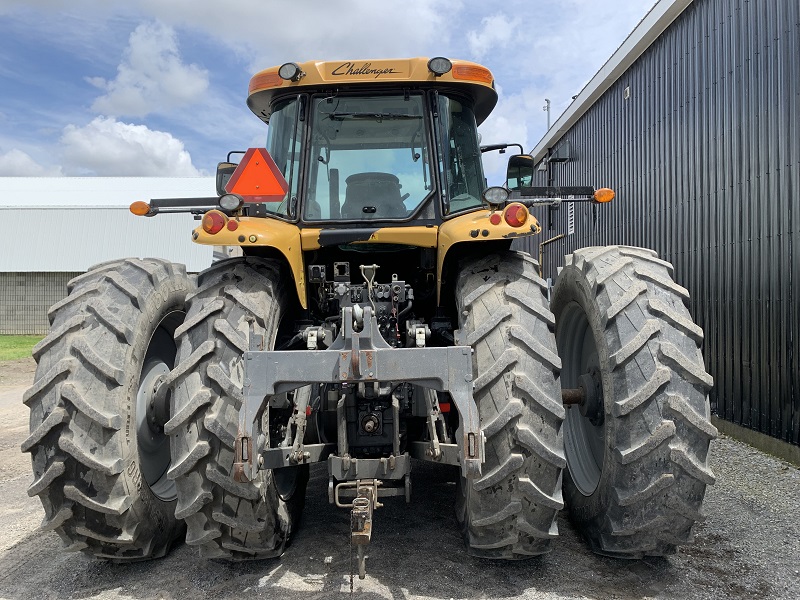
[(25, 299), (704, 153), (74, 238)]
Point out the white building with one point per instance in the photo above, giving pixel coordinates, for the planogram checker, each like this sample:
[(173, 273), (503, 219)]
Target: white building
[(54, 228)]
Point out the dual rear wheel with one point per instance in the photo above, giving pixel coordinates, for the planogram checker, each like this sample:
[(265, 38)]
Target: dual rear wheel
[(633, 452), (132, 434), (134, 411)]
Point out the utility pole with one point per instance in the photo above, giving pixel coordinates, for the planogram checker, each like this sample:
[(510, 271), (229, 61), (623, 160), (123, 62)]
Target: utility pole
[(546, 108)]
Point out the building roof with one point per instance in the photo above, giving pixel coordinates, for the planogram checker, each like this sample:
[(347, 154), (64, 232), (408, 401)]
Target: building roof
[(68, 224), (654, 23), (99, 191)]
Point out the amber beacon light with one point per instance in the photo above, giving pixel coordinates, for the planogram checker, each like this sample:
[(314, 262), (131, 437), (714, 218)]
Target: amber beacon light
[(604, 195), (140, 208)]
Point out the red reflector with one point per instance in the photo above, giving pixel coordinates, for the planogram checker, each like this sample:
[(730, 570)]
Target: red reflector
[(516, 214), (495, 218), (444, 407), (233, 225), (258, 178), (213, 221), (308, 411)]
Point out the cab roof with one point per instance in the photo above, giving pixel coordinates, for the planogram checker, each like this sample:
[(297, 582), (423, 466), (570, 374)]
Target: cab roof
[(470, 78)]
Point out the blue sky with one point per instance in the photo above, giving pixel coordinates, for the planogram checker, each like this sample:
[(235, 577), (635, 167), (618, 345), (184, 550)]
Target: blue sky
[(158, 88)]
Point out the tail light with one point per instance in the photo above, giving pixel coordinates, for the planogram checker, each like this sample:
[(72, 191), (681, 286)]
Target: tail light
[(516, 214), (214, 221)]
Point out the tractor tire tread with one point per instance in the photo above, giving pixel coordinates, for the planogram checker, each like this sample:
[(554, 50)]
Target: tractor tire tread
[(659, 467), (509, 512), (77, 413), (225, 519)]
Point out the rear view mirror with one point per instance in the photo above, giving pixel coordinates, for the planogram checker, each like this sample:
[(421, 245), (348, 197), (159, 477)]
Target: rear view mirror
[(520, 172), (224, 172)]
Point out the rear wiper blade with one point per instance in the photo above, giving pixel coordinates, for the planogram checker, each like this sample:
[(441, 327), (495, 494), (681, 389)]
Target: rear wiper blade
[(369, 115)]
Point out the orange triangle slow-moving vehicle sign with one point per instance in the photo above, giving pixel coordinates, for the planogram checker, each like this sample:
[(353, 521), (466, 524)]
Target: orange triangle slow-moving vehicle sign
[(258, 178)]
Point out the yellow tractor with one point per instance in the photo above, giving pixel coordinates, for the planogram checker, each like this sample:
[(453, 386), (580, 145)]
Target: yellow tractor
[(377, 314)]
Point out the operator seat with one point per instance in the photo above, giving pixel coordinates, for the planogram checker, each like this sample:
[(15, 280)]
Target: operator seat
[(373, 196)]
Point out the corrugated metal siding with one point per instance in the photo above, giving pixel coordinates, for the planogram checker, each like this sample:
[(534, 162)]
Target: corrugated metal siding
[(71, 239), (705, 158)]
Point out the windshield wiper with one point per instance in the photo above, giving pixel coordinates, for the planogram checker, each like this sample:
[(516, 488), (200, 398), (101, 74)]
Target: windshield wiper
[(368, 115)]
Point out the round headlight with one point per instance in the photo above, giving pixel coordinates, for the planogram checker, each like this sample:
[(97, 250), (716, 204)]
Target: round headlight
[(290, 72), (231, 202), (439, 65), (495, 196)]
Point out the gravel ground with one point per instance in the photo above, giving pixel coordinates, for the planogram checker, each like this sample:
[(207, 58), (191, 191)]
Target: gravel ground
[(749, 547)]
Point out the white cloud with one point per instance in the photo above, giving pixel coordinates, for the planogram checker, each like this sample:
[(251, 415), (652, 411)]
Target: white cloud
[(281, 30), (107, 147), (546, 49), (152, 77), (267, 33), (496, 31), (16, 163)]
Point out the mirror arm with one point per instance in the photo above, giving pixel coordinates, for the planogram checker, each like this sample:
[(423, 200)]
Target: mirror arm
[(501, 147)]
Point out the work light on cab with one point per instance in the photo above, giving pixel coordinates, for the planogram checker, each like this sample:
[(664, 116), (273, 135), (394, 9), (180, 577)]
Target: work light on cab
[(439, 65), (231, 202), (291, 72), (516, 214), (495, 196), (214, 221)]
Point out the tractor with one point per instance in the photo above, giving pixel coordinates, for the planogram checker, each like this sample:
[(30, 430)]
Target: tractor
[(375, 315)]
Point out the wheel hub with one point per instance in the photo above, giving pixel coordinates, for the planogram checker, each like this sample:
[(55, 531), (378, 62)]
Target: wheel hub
[(158, 404), (592, 406), (588, 396)]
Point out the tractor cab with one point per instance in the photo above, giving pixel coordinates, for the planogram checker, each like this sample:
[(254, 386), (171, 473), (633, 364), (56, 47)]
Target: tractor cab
[(392, 141)]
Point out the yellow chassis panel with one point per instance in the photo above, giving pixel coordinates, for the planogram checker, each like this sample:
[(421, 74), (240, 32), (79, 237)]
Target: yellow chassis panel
[(476, 227), (291, 241), (254, 232)]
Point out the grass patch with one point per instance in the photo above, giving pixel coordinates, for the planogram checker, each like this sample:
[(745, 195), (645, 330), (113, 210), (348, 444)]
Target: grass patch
[(13, 347)]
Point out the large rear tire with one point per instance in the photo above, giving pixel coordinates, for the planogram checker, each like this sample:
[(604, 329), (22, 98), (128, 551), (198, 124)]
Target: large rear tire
[(510, 511), (226, 519), (100, 456), (637, 454)]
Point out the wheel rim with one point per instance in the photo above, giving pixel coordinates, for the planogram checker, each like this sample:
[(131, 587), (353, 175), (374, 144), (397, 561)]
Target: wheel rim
[(584, 442), (151, 441), (153, 445), (285, 482)]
